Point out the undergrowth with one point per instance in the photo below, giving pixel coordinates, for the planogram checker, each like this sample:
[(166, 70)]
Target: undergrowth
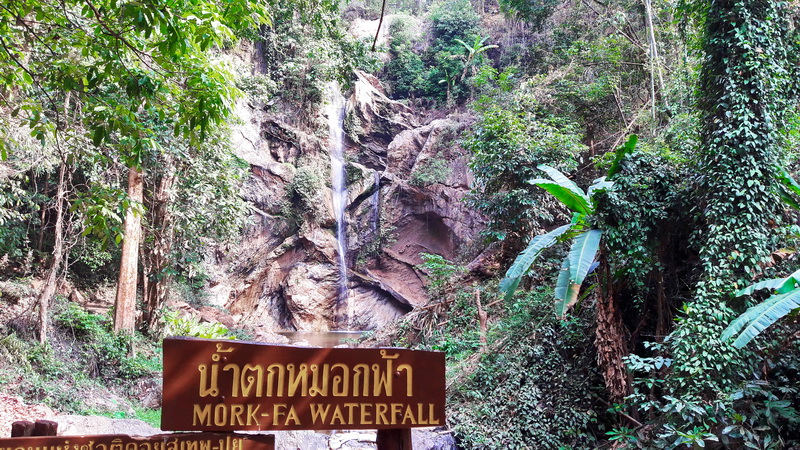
[(84, 369), (533, 384)]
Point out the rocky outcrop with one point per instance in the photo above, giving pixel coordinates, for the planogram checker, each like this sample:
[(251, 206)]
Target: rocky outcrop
[(406, 185)]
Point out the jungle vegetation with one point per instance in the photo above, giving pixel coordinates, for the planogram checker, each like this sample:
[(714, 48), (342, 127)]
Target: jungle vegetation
[(635, 163)]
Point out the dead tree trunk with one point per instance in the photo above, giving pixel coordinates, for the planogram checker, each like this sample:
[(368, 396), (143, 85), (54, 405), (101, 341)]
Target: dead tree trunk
[(49, 287), (125, 304)]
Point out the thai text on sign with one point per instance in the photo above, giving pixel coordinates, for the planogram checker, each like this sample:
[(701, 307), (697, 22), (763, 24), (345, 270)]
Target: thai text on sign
[(214, 385), (189, 441)]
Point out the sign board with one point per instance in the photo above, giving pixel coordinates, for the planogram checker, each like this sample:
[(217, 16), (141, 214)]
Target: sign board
[(183, 441), (214, 385)]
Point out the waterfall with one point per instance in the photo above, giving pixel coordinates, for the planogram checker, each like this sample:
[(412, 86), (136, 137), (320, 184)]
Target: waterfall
[(375, 204), (335, 110)]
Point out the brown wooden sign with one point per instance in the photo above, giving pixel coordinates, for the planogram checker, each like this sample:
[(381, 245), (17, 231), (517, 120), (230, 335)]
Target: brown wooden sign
[(187, 441), (214, 385)]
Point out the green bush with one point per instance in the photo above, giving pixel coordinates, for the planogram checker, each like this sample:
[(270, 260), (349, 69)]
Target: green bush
[(535, 387), (511, 137), (304, 193), (430, 171), (176, 325), (438, 72)]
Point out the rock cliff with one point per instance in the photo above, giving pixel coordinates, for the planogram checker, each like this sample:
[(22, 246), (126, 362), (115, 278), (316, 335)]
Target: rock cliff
[(406, 182)]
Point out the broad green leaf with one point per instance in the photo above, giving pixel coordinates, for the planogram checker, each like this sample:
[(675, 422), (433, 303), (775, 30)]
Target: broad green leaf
[(598, 185), (621, 152), (759, 317), (766, 284), (563, 181), (566, 293), (524, 260), (566, 196), (787, 198), (788, 181), (581, 255), (782, 285)]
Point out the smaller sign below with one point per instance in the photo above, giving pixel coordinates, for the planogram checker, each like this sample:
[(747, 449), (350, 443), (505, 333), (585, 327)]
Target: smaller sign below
[(175, 441)]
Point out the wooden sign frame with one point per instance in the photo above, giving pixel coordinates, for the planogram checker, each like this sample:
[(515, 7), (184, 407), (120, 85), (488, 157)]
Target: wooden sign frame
[(213, 385)]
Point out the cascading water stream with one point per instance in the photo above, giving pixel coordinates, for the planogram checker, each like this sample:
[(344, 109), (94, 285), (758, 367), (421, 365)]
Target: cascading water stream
[(335, 110), (375, 204)]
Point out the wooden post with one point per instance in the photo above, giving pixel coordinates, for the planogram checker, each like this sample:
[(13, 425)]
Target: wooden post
[(394, 439), (24, 428), (45, 428), (21, 428)]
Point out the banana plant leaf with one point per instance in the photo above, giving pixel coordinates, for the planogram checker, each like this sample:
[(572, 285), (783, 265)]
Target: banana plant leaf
[(563, 181), (570, 199), (566, 292), (756, 319), (581, 255), (524, 260), (782, 285), (621, 152)]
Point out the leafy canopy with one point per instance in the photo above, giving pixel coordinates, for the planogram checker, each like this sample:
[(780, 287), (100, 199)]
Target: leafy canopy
[(92, 67)]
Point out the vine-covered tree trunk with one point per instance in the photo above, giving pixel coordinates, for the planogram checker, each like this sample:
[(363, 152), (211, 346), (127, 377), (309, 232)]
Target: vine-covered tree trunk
[(744, 66), (49, 287), (125, 304), (156, 254)]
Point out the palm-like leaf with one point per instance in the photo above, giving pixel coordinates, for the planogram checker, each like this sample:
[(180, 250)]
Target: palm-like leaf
[(581, 255), (621, 152), (524, 260), (565, 195), (760, 316), (782, 285), (774, 283), (566, 293), (574, 270), (599, 185), (788, 181), (562, 180)]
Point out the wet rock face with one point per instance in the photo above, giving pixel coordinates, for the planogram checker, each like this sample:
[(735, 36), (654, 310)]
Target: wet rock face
[(406, 184)]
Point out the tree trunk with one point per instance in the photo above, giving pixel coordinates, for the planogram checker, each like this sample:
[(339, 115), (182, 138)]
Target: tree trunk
[(610, 341), (125, 305), (49, 287), (156, 258)]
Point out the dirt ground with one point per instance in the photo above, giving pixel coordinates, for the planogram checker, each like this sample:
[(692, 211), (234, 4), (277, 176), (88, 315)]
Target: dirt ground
[(13, 409)]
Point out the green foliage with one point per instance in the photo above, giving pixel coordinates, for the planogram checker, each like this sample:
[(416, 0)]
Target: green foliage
[(440, 274), (534, 12), (534, 386), (430, 171), (785, 300), (304, 192), (512, 136), (82, 359), (17, 209), (584, 246), (743, 96), (755, 415), (176, 324), (451, 20), (406, 72), (440, 71), (646, 222), (527, 257), (106, 352), (147, 53), (306, 46)]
